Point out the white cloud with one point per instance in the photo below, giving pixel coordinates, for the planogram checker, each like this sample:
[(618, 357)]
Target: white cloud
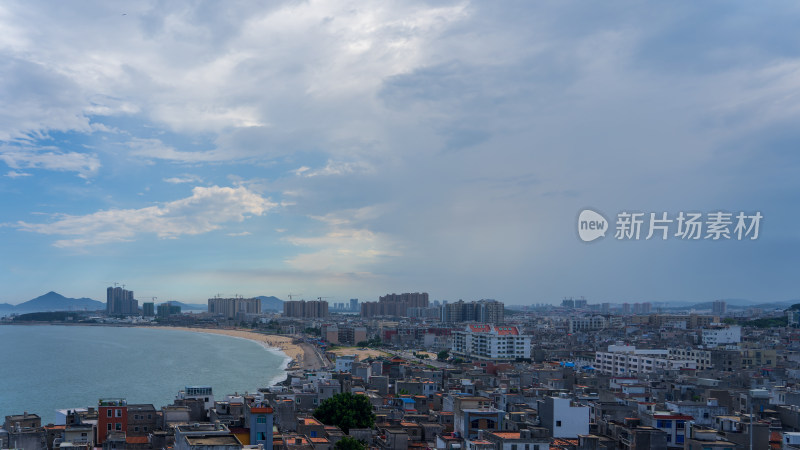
[(155, 149), (243, 233), (14, 174), (343, 250), (207, 209), (48, 158), (336, 168), (184, 178), (347, 246)]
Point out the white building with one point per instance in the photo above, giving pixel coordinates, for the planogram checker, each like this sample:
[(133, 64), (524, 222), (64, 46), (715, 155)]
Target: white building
[(791, 440), (491, 342), (344, 363), (628, 360), (592, 323), (715, 336), (563, 417)]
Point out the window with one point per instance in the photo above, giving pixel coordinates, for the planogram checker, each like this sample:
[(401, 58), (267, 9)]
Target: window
[(109, 427), (261, 436), (513, 446), (679, 424), (145, 429), (83, 434), (261, 419), (679, 439), (149, 416), (135, 428), (119, 412), (118, 426), (108, 412), (312, 434), (558, 423)]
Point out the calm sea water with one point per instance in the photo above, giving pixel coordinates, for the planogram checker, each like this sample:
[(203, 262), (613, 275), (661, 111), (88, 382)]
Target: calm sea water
[(44, 368)]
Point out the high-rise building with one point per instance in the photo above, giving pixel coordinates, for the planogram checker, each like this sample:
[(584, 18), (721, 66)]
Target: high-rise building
[(354, 304), (395, 305), (121, 302), (486, 311), (148, 309), (305, 309), (168, 309), (232, 307), (719, 307)]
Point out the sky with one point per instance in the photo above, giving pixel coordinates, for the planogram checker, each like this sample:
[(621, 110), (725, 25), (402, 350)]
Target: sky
[(349, 149)]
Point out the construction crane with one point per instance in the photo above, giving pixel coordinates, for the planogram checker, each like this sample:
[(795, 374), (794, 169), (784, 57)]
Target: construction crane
[(295, 295), (320, 298)]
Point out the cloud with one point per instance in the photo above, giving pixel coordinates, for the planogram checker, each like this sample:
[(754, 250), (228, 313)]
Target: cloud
[(155, 149), (184, 178), (243, 233), (345, 247), (207, 209), (14, 174), (335, 168), (49, 158), (343, 250)]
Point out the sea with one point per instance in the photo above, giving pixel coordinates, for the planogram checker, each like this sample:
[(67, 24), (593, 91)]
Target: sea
[(48, 367)]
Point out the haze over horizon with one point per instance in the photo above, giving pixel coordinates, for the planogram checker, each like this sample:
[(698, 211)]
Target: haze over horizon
[(349, 150)]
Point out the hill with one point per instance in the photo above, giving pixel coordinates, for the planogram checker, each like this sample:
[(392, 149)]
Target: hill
[(53, 301), (271, 303)]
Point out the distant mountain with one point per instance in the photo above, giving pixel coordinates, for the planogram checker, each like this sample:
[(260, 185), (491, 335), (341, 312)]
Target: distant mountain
[(189, 306), (53, 301), (271, 303)]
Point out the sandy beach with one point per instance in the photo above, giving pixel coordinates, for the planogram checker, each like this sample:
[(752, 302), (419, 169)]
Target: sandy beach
[(303, 354)]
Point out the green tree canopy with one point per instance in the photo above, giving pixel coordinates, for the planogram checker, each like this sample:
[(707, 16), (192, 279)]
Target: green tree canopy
[(349, 443), (346, 411), (442, 355)]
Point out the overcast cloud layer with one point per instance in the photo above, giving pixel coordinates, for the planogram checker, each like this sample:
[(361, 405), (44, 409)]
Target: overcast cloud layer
[(350, 149)]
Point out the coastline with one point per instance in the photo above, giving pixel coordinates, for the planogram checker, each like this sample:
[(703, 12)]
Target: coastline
[(301, 355), (298, 355)]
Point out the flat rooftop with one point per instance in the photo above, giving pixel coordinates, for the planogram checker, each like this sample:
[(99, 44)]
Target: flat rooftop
[(213, 440)]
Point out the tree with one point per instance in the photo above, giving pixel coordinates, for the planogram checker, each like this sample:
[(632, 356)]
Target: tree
[(349, 443), (442, 355), (346, 411)]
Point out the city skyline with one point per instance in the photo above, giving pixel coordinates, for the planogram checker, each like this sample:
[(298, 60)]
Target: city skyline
[(347, 150)]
